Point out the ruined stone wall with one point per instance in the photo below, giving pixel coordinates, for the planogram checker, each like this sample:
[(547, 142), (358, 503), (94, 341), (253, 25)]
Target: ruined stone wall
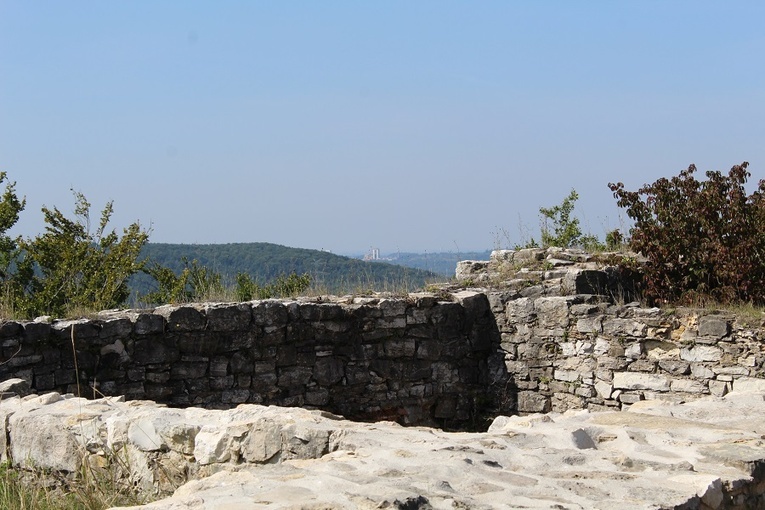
[(415, 360), (565, 352), (567, 343), (551, 339)]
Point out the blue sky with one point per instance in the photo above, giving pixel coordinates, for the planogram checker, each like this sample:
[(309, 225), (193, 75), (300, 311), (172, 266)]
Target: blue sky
[(408, 126)]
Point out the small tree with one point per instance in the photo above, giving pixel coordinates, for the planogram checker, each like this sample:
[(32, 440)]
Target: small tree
[(10, 208), (70, 268), (701, 238), (565, 231)]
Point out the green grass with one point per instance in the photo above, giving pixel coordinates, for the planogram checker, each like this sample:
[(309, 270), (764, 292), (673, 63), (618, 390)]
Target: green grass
[(93, 489)]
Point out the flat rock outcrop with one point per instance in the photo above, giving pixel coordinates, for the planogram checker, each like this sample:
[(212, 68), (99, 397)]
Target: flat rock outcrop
[(704, 454)]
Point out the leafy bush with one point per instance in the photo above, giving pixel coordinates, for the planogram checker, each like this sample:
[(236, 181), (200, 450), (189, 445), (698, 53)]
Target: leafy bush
[(701, 238), (68, 267)]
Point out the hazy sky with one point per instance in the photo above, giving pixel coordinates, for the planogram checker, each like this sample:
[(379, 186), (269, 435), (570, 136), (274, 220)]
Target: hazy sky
[(408, 126)]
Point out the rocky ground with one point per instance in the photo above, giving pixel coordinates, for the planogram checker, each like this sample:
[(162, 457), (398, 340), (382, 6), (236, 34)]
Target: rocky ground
[(704, 454)]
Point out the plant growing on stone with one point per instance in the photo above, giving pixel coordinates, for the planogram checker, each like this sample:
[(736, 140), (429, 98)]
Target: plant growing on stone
[(561, 229), (701, 238)]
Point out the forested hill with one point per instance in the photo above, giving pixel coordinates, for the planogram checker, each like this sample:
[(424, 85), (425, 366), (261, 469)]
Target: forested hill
[(266, 261)]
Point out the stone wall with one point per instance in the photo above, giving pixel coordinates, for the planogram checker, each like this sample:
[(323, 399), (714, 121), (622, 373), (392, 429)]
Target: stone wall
[(415, 360), (567, 343), (549, 330)]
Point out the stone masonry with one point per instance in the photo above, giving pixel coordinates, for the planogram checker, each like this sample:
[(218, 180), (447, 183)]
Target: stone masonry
[(415, 360), (569, 340)]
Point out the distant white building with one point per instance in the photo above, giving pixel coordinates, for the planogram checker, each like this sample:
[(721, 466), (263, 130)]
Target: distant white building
[(373, 254)]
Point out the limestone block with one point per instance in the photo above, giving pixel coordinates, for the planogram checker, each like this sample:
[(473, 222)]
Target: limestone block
[(582, 440), (642, 365), (562, 402), (624, 327), (116, 327), (469, 269), (211, 445), (502, 256), (148, 324), (700, 371), (735, 370), (603, 389), (393, 307), (552, 312), (143, 434), (661, 350), (713, 326), (521, 309), (708, 487), (300, 441), (687, 386), (566, 375), (675, 367), (699, 353), (40, 440), (518, 369), (567, 349), (585, 391), (399, 348), (633, 350), (532, 402), (328, 371), (641, 381), (263, 442), (228, 317), (14, 387), (630, 398), (719, 388), (749, 385), (271, 313), (601, 347), (584, 281), (590, 324), (181, 318)]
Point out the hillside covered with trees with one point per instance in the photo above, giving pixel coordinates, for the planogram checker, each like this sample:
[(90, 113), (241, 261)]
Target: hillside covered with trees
[(264, 262)]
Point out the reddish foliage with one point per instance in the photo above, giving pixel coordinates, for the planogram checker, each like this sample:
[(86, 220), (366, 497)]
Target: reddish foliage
[(702, 238)]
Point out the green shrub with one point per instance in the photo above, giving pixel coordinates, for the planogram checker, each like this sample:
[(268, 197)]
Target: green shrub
[(194, 283), (71, 268), (283, 286), (701, 238)]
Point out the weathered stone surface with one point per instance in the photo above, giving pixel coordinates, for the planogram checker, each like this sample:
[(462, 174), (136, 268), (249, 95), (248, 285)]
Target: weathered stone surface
[(697, 456), (624, 327), (640, 381), (687, 386), (469, 269), (699, 353), (181, 318), (713, 326), (552, 312), (533, 402)]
